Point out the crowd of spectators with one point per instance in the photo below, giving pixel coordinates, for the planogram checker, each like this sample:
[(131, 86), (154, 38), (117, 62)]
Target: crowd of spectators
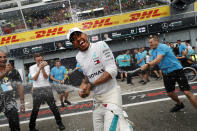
[(59, 13), (52, 17)]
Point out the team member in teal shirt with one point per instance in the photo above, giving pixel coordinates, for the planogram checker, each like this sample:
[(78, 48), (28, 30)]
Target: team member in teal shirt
[(127, 59), (143, 52), (172, 72), (140, 62), (183, 51), (58, 75), (127, 62), (121, 64)]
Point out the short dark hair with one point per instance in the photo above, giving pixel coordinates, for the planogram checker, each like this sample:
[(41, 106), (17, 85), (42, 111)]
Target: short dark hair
[(128, 50), (136, 49), (11, 62), (37, 55), (57, 61), (187, 41), (155, 37)]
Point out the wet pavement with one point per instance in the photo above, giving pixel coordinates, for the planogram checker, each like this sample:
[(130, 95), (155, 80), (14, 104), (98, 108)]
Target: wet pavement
[(147, 106)]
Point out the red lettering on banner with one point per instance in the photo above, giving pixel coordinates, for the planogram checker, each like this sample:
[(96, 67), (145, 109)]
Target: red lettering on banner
[(155, 13), (5, 40), (135, 16), (99, 23), (14, 39), (51, 32), (40, 34), (107, 21), (87, 25), (146, 14), (9, 39), (60, 30)]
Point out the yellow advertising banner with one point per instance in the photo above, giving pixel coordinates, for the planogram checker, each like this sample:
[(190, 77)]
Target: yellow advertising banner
[(99, 23), (195, 6)]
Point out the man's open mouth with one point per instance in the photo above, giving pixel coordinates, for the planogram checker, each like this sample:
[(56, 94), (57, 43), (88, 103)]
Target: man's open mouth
[(82, 42)]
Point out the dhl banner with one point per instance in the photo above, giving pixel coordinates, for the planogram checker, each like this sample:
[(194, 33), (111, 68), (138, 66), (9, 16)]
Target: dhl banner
[(104, 22), (195, 6)]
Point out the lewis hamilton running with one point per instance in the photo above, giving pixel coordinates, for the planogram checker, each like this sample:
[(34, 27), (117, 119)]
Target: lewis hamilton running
[(98, 65)]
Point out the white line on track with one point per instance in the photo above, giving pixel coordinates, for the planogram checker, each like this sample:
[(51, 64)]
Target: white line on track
[(132, 92), (52, 117), (90, 111), (153, 101)]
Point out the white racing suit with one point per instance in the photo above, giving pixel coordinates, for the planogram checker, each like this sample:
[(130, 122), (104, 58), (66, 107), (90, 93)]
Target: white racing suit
[(108, 114), (96, 60)]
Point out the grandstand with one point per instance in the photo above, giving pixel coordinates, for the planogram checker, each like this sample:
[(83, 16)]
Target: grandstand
[(25, 15)]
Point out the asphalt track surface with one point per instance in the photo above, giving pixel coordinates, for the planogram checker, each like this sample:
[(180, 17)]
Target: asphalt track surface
[(149, 111)]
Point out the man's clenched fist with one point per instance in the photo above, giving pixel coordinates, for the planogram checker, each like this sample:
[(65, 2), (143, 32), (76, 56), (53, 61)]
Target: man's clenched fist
[(85, 90)]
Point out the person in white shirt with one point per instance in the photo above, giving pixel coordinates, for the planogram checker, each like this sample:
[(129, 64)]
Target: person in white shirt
[(42, 91), (148, 58), (106, 37), (98, 65), (60, 46), (188, 45)]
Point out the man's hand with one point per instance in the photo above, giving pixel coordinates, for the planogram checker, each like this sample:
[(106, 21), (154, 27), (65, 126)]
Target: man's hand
[(8, 68), (43, 64), (85, 87), (62, 82), (58, 81), (22, 108)]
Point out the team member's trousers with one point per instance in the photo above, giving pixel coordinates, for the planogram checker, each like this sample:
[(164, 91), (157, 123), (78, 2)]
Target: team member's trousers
[(40, 95), (13, 119), (129, 78), (9, 107), (104, 119)]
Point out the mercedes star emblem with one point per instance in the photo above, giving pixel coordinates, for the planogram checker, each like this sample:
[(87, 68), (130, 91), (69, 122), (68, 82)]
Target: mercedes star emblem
[(26, 51), (164, 26)]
